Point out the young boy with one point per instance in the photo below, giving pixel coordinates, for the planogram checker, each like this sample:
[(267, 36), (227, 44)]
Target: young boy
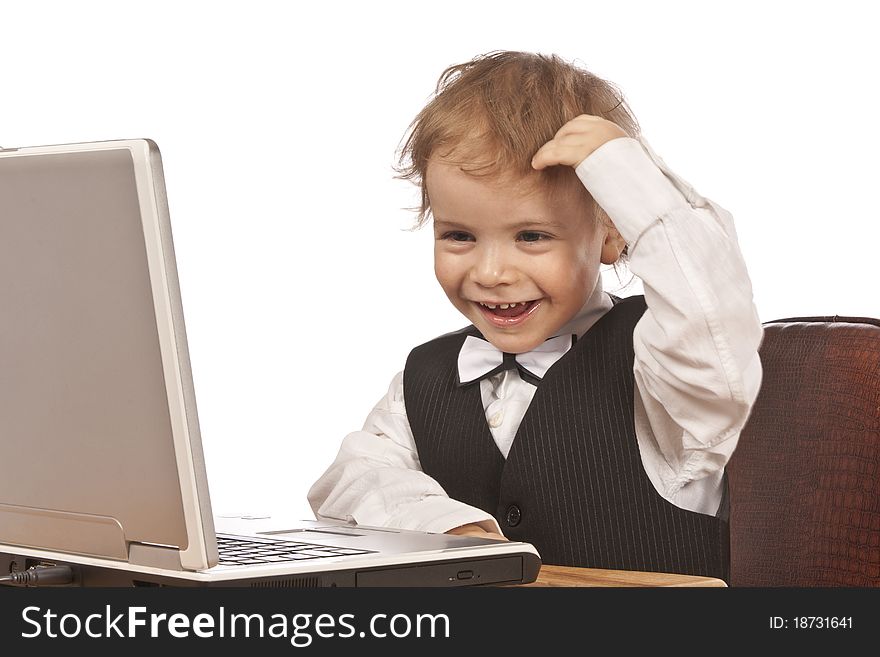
[(594, 427)]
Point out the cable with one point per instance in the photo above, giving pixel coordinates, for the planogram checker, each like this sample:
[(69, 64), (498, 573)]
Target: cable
[(40, 576)]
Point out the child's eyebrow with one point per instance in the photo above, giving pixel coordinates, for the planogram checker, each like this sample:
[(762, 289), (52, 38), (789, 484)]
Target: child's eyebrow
[(546, 223), (527, 223)]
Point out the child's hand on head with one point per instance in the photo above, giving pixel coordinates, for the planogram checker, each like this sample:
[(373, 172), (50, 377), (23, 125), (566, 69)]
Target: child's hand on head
[(576, 140)]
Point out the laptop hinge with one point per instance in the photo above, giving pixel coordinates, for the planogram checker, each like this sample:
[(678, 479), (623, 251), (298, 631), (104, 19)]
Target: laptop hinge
[(155, 556)]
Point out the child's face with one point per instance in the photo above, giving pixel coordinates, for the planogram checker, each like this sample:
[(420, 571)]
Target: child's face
[(496, 245)]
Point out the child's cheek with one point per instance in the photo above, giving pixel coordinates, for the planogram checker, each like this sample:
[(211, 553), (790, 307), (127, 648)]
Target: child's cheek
[(446, 276)]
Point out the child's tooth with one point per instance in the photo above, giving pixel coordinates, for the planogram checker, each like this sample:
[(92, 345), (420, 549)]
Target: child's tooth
[(504, 306)]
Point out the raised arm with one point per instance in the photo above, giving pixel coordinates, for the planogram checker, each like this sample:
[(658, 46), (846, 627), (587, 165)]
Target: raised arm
[(697, 370)]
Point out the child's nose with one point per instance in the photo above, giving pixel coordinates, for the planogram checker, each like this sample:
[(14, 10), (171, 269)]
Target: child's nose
[(492, 267)]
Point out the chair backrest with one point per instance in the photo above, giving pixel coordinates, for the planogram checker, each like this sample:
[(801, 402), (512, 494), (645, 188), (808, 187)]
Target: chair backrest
[(805, 477)]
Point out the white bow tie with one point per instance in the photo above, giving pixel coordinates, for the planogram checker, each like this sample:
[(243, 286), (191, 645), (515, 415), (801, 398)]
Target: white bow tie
[(478, 359)]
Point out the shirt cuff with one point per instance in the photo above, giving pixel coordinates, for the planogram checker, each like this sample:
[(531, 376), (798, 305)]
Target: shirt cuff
[(629, 185), (438, 514)]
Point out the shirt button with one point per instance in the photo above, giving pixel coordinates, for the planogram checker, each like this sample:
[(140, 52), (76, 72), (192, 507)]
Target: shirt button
[(496, 420), (514, 515)]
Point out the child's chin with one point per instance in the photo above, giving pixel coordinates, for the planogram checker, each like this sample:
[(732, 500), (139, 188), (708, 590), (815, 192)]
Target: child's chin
[(512, 344)]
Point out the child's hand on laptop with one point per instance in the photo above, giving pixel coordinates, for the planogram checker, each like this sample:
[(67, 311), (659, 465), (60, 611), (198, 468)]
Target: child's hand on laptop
[(476, 530), (576, 140)]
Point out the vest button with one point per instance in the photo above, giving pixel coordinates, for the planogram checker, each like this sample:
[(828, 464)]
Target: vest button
[(514, 515)]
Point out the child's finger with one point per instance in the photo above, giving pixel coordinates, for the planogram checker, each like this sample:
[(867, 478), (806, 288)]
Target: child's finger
[(577, 124), (544, 157), (554, 152)]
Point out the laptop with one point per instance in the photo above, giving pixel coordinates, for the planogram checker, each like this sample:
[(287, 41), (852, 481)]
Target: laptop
[(104, 469)]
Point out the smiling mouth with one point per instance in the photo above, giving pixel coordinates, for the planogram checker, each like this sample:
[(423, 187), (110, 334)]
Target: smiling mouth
[(506, 314), (506, 309)]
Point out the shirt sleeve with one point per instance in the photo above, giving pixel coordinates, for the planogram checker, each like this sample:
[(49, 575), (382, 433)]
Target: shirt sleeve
[(697, 369), (376, 478)]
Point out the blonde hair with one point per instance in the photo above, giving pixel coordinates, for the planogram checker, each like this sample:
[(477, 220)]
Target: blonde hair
[(491, 115)]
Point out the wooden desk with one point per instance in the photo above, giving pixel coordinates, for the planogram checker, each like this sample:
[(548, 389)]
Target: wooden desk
[(567, 576)]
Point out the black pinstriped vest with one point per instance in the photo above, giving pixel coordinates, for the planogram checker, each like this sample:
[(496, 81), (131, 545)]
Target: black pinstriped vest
[(573, 483)]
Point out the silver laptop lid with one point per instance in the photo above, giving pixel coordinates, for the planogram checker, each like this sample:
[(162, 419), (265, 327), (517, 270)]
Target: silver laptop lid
[(98, 422)]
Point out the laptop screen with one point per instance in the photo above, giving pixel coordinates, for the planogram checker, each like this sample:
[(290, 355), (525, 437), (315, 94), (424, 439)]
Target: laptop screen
[(84, 409)]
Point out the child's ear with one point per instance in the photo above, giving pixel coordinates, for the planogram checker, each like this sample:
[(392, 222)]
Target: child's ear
[(613, 245)]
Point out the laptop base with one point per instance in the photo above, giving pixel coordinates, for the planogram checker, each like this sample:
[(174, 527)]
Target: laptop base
[(513, 569)]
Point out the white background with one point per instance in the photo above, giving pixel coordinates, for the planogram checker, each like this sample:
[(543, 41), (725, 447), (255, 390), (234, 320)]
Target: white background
[(279, 122)]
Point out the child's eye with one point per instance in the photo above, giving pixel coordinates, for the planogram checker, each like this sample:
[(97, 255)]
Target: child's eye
[(532, 237), (458, 236)]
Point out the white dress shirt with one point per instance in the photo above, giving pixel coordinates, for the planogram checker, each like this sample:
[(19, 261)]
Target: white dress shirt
[(696, 368)]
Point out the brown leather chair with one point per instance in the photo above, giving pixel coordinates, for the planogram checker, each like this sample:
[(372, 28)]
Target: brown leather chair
[(805, 477)]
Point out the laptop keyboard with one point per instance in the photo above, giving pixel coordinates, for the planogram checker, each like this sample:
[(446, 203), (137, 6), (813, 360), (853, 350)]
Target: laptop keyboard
[(244, 551)]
